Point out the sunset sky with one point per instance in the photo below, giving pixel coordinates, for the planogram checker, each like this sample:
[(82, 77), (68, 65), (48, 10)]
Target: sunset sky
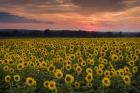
[(90, 15)]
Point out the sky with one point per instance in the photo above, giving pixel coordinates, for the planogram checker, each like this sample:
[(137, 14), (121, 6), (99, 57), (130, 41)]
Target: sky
[(90, 15)]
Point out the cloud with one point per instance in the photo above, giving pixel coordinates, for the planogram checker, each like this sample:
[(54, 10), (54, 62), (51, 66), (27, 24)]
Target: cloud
[(6, 17), (70, 6), (71, 13), (105, 5)]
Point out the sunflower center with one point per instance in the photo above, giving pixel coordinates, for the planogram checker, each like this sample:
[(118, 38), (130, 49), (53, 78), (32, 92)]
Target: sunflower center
[(126, 79), (89, 77), (51, 85), (30, 81), (106, 81), (16, 78), (68, 78)]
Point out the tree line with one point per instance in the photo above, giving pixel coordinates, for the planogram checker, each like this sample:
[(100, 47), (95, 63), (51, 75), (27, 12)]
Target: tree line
[(63, 33)]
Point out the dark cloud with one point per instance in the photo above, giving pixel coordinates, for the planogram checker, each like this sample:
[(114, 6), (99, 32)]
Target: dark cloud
[(10, 18), (69, 6), (26, 2), (105, 5)]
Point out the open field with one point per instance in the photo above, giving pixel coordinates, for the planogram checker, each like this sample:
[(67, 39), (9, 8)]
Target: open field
[(70, 65)]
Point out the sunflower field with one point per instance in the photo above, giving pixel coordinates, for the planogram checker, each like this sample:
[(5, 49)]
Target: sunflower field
[(70, 65)]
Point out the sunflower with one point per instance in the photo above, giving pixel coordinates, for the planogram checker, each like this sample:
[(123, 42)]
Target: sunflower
[(20, 66), (96, 68), (51, 85), (76, 84), (80, 60), (121, 72), (114, 57), (17, 78), (99, 72), (7, 78), (6, 68), (135, 57), (68, 67), (89, 84), (101, 66), (58, 74), (135, 69), (72, 56), (78, 70), (100, 59), (25, 64), (10, 62), (102, 54), (83, 63), (43, 64), (89, 77), (131, 63), (105, 61), (126, 79), (55, 90), (106, 73), (137, 51), (88, 60), (1, 62), (106, 82), (121, 57), (69, 79), (60, 59), (51, 68), (30, 81), (5, 61), (112, 73), (126, 69), (74, 66), (92, 62), (45, 83), (89, 70), (11, 70), (78, 54)]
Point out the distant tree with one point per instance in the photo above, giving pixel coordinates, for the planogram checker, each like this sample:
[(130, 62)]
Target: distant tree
[(139, 34), (120, 34), (46, 32), (109, 34)]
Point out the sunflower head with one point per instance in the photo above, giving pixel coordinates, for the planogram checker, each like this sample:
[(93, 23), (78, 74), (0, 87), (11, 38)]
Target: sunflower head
[(135, 69), (7, 78), (45, 83), (114, 57), (16, 78), (78, 69), (6, 68), (69, 79), (20, 66), (89, 77), (30, 81), (76, 84), (99, 72), (89, 84), (51, 68), (131, 63), (126, 79), (52, 85), (106, 82), (58, 74), (68, 67), (89, 70)]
